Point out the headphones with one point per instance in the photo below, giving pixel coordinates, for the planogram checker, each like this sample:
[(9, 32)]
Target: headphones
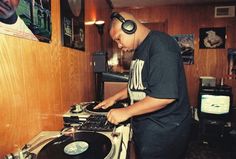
[(128, 26)]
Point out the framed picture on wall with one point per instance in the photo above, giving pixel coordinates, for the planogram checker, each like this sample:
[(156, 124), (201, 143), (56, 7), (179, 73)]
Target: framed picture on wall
[(232, 63), (186, 43), (212, 38), (72, 24), (31, 19)]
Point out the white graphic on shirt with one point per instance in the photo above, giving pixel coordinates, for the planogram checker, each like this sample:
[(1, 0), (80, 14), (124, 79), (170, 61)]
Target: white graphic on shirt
[(136, 87)]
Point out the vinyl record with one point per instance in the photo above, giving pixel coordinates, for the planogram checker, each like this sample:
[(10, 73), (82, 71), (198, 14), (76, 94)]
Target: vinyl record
[(82, 145), (100, 111)]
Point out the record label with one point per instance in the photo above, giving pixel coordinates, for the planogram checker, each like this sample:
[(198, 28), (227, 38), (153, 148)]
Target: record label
[(81, 145), (76, 147)]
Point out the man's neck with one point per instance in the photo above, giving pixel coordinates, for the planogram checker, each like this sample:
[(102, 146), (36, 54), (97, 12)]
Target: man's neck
[(11, 20), (145, 32)]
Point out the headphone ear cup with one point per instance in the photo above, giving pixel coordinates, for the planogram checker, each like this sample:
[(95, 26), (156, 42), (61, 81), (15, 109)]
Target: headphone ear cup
[(129, 26)]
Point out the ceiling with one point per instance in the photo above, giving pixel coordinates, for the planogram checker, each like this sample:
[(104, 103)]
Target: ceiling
[(148, 3)]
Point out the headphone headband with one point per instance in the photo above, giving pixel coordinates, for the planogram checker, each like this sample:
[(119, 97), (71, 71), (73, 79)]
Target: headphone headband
[(117, 16)]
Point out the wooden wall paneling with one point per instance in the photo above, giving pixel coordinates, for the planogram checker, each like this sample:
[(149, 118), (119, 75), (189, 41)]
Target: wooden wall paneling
[(50, 110), (97, 10), (14, 104), (29, 66), (65, 80), (40, 81), (110, 88), (192, 84), (160, 26)]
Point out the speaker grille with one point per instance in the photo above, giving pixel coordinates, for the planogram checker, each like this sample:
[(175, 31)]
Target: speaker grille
[(100, 62)]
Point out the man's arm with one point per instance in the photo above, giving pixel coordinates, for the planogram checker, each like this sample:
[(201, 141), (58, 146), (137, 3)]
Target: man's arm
[(147, 105)]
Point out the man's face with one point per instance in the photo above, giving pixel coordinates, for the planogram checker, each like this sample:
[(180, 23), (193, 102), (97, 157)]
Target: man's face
[(125, 42), (8, 8)]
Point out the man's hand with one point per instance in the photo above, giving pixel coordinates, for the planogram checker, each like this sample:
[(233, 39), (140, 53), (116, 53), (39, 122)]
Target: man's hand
[(105, 104), (116, 116)]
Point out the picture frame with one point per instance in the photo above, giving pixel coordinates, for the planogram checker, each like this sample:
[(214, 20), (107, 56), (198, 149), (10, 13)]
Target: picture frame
[(186, 44), (232, 63), (72, 24), (212, 38), (31, 20)]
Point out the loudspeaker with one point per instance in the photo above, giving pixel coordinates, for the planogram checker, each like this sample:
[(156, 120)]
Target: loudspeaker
[(100, 62), (128, 26)]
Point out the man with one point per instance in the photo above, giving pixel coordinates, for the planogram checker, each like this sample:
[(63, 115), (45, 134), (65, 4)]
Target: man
[(11, 23), (159, 106)]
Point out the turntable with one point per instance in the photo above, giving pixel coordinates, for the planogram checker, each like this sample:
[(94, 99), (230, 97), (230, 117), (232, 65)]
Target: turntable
[(80, 145), (75, 145), (84, 115)]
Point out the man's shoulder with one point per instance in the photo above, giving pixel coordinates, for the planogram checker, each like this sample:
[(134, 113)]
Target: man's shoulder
[(156, 33)]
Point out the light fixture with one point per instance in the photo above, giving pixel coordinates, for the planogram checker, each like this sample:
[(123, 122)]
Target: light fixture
[(99, 22), (92, 22), (98, 75), (100, 25)]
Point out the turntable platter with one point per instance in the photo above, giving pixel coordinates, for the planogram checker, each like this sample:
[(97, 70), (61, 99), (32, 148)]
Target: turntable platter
[(82, 145), (100, 111)]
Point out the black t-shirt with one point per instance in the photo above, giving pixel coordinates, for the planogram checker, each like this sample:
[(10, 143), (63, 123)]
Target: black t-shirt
[(157, 71)]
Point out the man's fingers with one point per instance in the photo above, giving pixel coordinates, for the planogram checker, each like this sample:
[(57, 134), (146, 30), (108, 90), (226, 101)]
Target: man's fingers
[(98, 106)]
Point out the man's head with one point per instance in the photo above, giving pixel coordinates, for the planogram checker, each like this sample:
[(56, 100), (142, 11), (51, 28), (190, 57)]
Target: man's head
[(8, 8), (127, 31), (124, 36), (128, 26)]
